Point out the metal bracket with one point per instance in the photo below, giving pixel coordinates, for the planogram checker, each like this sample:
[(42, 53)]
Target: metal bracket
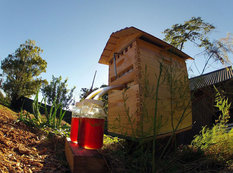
[(114, 61)]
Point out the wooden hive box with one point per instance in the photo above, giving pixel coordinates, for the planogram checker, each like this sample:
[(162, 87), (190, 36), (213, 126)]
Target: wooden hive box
[(141, 61)]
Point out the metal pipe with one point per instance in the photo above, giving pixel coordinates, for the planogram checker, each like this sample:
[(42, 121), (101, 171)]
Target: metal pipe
[(94, 93), (114, 61), (106, 89), (101, 91)]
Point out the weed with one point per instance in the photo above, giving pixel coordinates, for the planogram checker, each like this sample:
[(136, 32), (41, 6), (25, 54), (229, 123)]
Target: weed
[(217, 142), (51, 122)]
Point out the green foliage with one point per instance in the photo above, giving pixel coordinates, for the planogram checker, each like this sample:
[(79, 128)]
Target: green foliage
[(4, 100), (217, 141), (36, 108), (228, 46), (189, 159), (140, 156), (51, 122), (109, 140), (223, 106), (54, 116), (22, 69), (196, 31), (85, 92), (31, 121), (193, 30), (155, 121), (57, 92), (218, 50), (1, 95), (28, 119)]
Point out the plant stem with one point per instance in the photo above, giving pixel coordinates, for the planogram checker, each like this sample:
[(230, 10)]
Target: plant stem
[(174, 132), (155, 118)]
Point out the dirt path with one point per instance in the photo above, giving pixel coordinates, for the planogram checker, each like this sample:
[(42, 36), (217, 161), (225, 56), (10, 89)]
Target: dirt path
[(23, 149)]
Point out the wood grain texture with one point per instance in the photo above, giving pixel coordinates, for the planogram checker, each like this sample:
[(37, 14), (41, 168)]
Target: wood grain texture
[(173, 97), (118, 118), (84, 161)]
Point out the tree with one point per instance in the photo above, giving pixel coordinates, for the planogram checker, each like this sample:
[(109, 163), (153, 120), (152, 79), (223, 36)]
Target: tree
[(218, 50), (56, 91), (196, 31), (22, 69)]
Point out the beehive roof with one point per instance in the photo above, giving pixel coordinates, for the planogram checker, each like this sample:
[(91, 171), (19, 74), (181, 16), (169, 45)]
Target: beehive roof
[(131, 33)]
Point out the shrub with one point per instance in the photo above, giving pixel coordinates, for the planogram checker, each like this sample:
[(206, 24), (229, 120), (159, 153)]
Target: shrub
[(217, 141), (4, 100)]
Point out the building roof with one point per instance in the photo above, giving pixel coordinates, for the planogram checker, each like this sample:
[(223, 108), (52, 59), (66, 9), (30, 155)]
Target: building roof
[(130, 34), (211, 78)]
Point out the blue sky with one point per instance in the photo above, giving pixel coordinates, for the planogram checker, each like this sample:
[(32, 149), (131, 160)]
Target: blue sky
[(74, 33)]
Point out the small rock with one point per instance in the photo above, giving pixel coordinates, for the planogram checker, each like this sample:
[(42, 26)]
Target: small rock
[(22, 149)]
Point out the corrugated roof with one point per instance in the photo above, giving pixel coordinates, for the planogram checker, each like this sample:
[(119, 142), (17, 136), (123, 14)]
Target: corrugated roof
[(131, 33), (211, 78)]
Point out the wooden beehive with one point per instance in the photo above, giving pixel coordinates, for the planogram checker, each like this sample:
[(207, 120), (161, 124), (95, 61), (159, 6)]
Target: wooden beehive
[(145, 64)]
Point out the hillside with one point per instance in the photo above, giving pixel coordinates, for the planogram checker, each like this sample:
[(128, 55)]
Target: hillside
[(24, 149)]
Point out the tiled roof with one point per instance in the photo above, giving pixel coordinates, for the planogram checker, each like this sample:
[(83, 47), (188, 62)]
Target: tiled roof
[(211, 78)]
